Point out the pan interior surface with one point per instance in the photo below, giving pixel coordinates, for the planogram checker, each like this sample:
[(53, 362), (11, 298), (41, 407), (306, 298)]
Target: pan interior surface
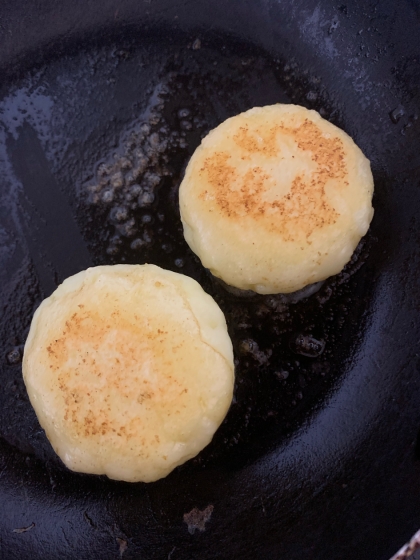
[(130, 128), (320, 439)]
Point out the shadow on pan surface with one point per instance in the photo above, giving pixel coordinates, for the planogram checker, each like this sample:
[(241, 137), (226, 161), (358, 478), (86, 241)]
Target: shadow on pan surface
[(93, 147)]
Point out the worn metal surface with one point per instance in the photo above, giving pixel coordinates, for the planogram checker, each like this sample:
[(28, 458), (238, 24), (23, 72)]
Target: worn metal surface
[(319, 455)]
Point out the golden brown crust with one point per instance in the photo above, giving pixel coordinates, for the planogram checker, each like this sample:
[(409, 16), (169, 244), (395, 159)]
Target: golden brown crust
[(136, 342), (275, 199), (304, 209)]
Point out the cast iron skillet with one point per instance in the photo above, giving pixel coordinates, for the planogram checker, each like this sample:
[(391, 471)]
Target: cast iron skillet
[(318, 457)]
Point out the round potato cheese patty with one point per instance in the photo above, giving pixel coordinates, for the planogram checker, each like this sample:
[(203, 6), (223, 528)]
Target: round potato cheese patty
[(276, 198), (129, 369)]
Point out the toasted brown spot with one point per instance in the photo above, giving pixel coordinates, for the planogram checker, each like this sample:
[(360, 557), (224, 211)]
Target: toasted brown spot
[(220, 175), (137, 341), (258, 140), (304, 209)]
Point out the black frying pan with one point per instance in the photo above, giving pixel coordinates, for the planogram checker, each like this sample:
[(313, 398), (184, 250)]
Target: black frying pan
[(319, 454)]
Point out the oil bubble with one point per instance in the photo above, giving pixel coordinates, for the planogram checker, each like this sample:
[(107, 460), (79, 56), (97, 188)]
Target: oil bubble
[(141, 165), (108, 196), (147, 237), (128, 229), (125, 163), (112, 250), (130, 179), (152, 179), (137, 244), (167, 247), (93, 188), (104, 169), (135, 190), (184, 113), (186, 125), (307, 345), (146, 199), (14, 356), (119, 214), (117, 180)]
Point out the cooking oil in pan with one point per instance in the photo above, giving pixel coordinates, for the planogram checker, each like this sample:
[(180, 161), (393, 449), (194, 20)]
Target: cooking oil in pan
[(122, 122)]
